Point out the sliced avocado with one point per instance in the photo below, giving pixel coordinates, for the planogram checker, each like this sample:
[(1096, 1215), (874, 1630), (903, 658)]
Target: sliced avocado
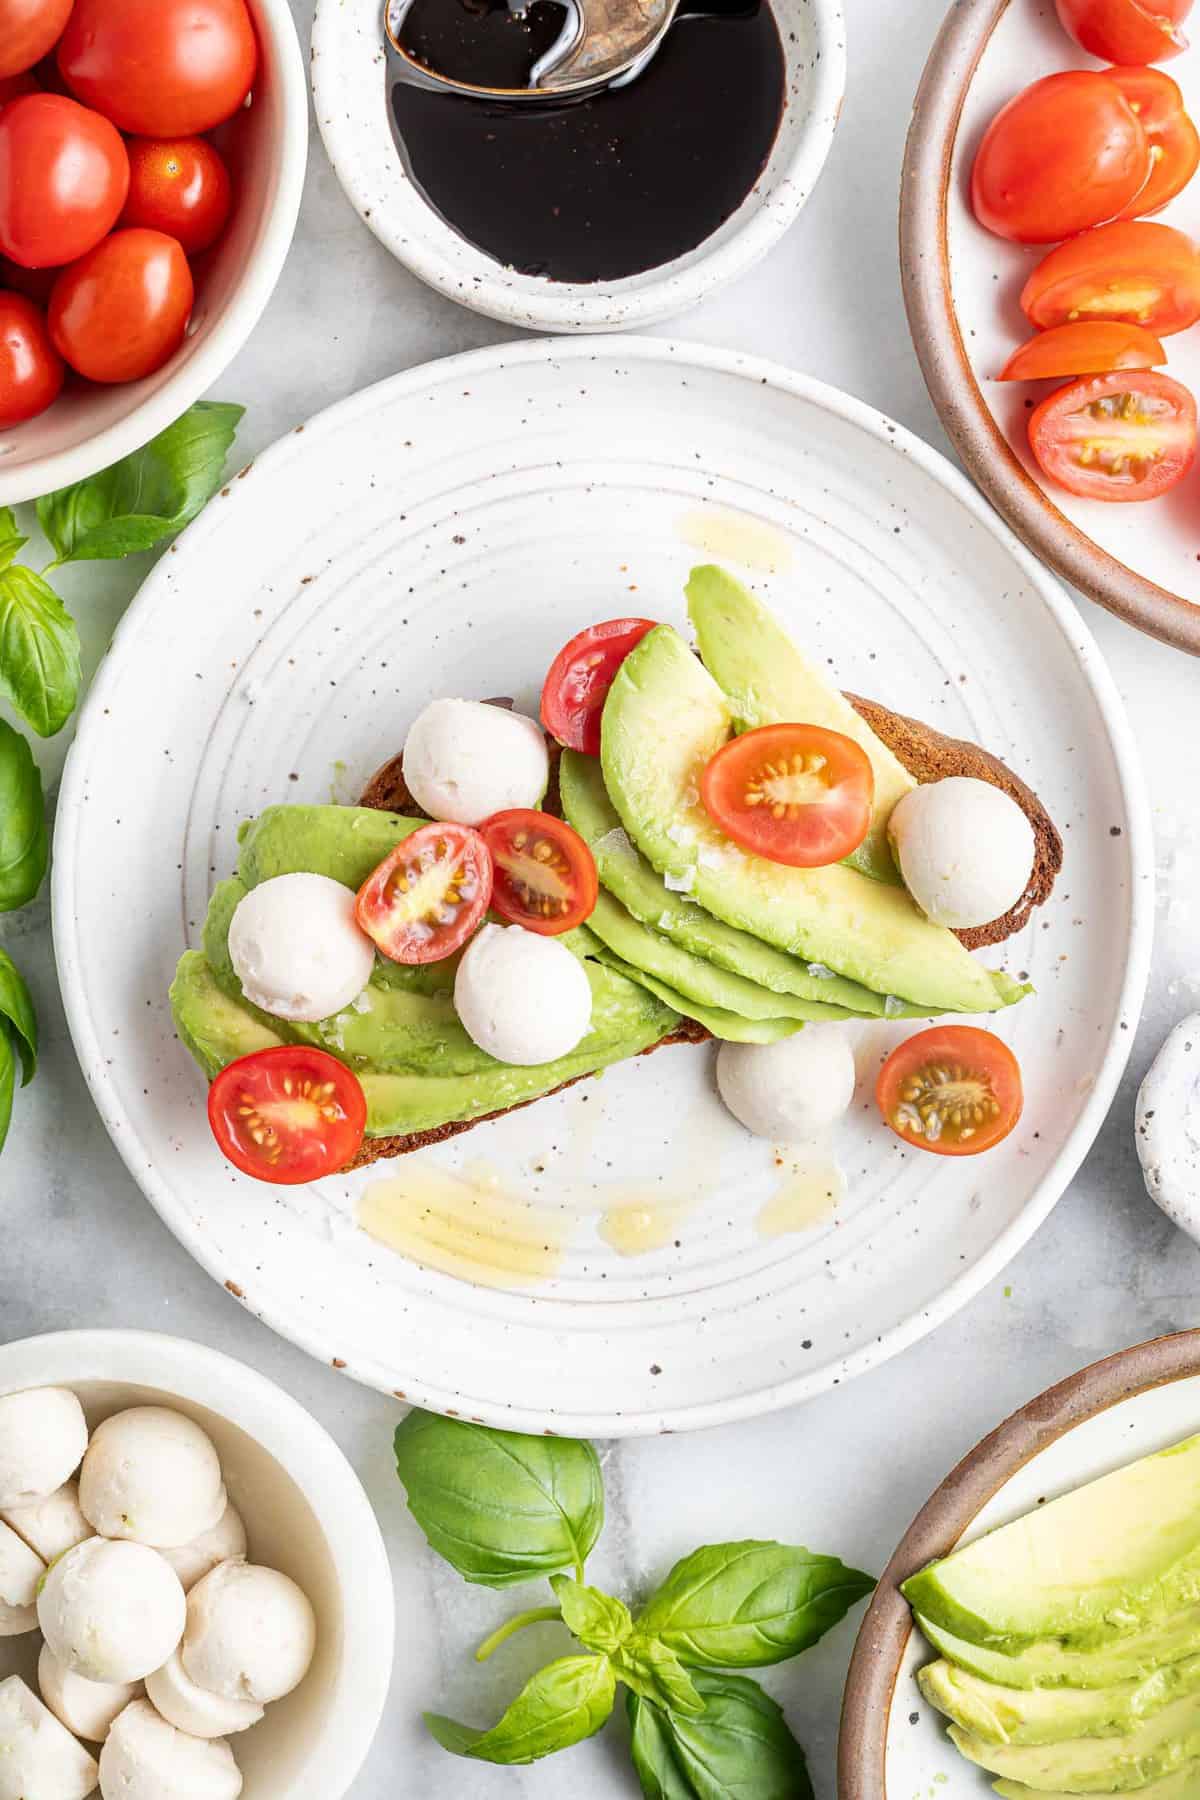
[(214, 1028), (729, 1026), (1102, 1562), (344, 842), (663, 719), (1184, 1784), (1096, 1765), (1008, 1715), (770, 681), (1049, 1664)]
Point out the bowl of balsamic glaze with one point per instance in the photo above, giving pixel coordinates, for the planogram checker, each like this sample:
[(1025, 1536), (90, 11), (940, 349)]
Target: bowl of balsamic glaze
[(581, 213)]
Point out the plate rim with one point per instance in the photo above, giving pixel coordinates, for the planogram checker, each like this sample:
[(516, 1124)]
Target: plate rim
[(772, 1396)]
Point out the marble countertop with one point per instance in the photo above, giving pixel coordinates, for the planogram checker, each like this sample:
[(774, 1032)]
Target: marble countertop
[(845, 1473)]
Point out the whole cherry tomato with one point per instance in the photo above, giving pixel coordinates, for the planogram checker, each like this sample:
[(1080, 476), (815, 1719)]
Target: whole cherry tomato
[(31, 370), (64, 175), (160, 68), (122, 310), (1174, 140), (28, 28), (1126, 31), (180, 186)]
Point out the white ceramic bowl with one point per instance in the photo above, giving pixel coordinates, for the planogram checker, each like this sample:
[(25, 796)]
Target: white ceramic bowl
[(90, 427), (305, 1512), (351, 106)]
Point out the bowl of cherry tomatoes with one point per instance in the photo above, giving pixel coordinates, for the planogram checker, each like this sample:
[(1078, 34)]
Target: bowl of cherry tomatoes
[(1052, 281), (152, 156)]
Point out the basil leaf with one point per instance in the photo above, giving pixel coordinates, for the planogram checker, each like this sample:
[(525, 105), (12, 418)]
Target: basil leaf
[(39, 650), (24, 846), (596, 1619), (739, 1748), (745, 1605), (16, 1012), (10, 538), (562, 1704), (652, 1669), (8, 1082), (146, 496), (501, 1508)]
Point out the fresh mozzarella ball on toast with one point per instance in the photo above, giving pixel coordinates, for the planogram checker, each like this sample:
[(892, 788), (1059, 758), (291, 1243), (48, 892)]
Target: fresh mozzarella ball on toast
[(250, 1634), (145, 1758), (43, 1435), (52, 1525), (193, 1709), (298, 949), (226, 1539), (465, 760), (152, 1475), (20, 1572), (87, 1708), (964, 848), (112, 1611), (524, 999), (39, 1759), (792, 1091)]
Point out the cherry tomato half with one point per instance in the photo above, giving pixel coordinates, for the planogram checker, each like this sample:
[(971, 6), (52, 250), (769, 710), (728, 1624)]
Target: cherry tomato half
[(576, 688), (545, 875), (1174, 140), (1126, 31), (1135, 271), (288, 1115), (426, 898), (796, 794), (1089, 347), (1065, 153), (28, 29), (160, 68), (122, 310), (180, 186), (954, 1090), (31, 370), (1125, 436), (64, 175)]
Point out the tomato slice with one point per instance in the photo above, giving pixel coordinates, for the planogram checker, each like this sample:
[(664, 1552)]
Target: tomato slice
[(425, 899), (580, 676), (1116, 437), (1135, 271), (1174, 140), (796, 794), (953, 1089), (1126, 31), (1089, 347), (545, 875), (288, 1115)]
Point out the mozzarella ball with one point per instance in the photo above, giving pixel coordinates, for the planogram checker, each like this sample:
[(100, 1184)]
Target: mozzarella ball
[(20, 1572), (112, 1611), (298, 949), (52, 1525), (792, 1091), (87, 1708), (193, 1709), (43, 1435), (39, 1759), (145, 1758), (964, 848), (465, 760), (151, 1475), (226, 1539), (250, 1633), (524, 999)]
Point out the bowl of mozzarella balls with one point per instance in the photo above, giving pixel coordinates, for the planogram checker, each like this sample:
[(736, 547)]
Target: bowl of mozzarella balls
[(195, 1599)]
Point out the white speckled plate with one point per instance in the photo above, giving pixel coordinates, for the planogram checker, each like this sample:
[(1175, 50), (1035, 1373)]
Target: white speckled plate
[(445, 532)]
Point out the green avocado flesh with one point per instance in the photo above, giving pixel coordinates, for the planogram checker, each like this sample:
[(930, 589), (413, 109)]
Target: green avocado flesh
[(768, 681), (1051, 1664), (1006, 1715), (722, 1024), (1096, 1765), (1184, 1784)]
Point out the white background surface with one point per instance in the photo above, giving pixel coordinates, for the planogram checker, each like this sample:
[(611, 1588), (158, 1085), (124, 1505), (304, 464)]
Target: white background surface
[(79, 1246)]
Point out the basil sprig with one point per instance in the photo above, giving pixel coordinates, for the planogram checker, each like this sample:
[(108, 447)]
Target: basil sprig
[(562, 1704), (39, 647), (24, 845), (739, 1745)]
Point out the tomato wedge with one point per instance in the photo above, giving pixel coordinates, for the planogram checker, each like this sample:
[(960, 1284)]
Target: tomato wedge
[(1125, 436), (1126, 31), (953, 1089), (796, 794), (545, 875), (1089, 347), (1134, 271), (1174, 140), (288, 1115), (425, 899), (580, 676)]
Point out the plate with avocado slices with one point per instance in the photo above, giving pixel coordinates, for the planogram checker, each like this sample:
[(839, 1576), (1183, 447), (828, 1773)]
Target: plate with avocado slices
[(594, 1244)]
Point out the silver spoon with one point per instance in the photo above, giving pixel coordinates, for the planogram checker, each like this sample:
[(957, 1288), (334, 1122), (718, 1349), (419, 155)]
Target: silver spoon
[(601, 42)]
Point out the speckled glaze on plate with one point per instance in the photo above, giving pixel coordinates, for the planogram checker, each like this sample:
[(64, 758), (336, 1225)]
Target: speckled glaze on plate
[(1141, 1400), (351, 108), (445, 532)]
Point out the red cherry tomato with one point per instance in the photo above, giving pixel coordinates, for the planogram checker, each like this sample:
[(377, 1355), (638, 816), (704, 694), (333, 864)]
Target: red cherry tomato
[(28, 28), (1174, 140), (1135, 271), (64, 175), (180, 186), (288, 1115), (160, 68), (121, 311), (31, 370), (545, 875), (1089, 347), (426, 898), (1125, 436), (1126, 31), (796, 794), (12, 87), (954, 1090), (1066, 153), (576, 688)]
